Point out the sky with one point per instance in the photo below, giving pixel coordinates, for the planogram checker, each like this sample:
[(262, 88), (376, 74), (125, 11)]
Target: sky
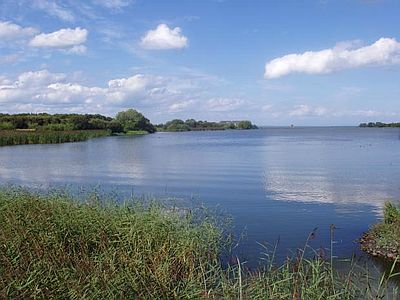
[(277, 63)]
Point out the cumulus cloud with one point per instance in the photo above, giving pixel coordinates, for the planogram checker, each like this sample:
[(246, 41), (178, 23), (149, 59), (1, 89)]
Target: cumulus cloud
[(55, 92), (28, 86), (11, 31), (38, 78), (164, 37), (119, 90), (46, 91), (72, 92), (385, 51), (61, 39)]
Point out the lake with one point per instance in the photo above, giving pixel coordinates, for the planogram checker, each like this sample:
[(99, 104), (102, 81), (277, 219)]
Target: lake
[(277, 183)]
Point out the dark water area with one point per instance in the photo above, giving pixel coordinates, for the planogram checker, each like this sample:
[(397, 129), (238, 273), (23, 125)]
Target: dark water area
[(276, 183)]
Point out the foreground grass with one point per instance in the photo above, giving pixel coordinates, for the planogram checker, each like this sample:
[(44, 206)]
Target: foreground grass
[(52, 246), (15, 137)]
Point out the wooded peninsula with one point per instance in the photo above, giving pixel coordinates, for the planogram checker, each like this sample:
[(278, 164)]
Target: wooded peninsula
[(379, 124), (44, 128)]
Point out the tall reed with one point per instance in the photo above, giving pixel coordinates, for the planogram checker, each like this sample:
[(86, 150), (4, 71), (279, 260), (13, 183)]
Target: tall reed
[(15, 137), (57, 246)]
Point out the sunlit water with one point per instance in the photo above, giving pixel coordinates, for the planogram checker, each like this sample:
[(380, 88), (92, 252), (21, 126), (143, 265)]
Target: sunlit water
[(277, 183)]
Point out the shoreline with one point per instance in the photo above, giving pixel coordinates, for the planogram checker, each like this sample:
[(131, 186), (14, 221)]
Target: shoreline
[(382, 240)]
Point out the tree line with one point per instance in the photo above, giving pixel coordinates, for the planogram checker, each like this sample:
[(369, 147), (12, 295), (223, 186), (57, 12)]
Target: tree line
[(124, 122), (193, 125), (379, 124)]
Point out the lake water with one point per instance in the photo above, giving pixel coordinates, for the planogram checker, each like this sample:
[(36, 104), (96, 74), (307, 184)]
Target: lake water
[(277, 183)]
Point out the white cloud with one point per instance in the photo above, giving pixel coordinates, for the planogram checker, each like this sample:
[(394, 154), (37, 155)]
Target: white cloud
[(130, 84), (385, 51), (155, 95), (28, 86), (78, 49), (114, 4), (119, 90), (306, 110), (367, 113), (38, 78), (267, 107), (11, 31), (69, 40), (55, 10), (225, 104), (43, 88), (4, 81), (164, 37), (72, 92), (61, 39), (180, 106)]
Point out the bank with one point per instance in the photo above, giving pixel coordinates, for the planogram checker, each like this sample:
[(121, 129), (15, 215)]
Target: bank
[(382, 240)]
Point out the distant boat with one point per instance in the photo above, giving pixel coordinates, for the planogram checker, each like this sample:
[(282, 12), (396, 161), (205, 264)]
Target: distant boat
[(291, 126)]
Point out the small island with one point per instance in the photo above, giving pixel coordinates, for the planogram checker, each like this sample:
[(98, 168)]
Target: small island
[(379, 124)]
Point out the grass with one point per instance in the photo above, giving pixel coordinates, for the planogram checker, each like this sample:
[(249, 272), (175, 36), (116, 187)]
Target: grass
[(383, 239), (55, 246), (137, 132), (18, 137)]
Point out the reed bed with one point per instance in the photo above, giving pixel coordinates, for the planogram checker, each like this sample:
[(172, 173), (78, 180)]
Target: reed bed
[(54, 245), (17, 137)]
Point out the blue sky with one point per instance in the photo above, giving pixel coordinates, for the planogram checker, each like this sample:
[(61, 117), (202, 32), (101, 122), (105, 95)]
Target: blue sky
[(273, 62)]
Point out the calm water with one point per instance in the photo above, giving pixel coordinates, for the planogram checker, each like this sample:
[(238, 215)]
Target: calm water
[(277, 183)]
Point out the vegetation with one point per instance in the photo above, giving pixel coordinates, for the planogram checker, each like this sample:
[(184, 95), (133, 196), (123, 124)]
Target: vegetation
[(17, 137), (383, 239), (56, 122), (54, 246), (379, 124), (137, 132), (193, 125), (132, 120), (60, 128), (124, 121)]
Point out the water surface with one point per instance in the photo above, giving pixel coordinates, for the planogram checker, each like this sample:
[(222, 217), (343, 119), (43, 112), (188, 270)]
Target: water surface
[(277, 183)]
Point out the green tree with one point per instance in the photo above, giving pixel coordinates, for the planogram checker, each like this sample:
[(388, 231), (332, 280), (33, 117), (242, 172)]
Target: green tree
[(245, 125), (133, 120), (176, 125)]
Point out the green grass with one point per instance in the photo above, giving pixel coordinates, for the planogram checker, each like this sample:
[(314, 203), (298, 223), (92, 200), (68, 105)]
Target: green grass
[(383, 239), (16, 137), (54, 246), (137, 132)]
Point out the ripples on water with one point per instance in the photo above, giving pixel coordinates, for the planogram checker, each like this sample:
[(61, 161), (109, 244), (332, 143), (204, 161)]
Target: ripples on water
[(275, 182)]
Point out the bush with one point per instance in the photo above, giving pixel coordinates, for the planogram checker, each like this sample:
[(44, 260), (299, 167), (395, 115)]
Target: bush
[(132, 120), (391, 213)]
